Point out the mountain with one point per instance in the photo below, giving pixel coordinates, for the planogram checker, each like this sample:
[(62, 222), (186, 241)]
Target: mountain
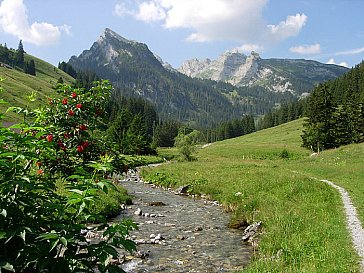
[(135, 71), (277, 75)]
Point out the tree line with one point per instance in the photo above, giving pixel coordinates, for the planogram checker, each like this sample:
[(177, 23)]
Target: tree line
[(12, 58), (284, 113), (335, 112)]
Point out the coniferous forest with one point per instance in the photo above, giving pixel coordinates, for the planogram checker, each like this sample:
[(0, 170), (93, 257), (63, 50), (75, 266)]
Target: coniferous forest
[(335, 112)]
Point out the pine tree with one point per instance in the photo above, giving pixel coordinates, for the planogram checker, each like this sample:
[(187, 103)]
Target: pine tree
[(19, 55)]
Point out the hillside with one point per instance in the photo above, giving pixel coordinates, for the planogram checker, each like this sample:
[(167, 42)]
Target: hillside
[(267, 176), (18, 85), (296, 76)]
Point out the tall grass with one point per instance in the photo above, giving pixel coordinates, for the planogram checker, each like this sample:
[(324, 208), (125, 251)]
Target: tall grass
[(304, 226)]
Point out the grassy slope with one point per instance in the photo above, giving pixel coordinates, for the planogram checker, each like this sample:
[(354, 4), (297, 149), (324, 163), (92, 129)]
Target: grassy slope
[(18, 85), (303, 218)]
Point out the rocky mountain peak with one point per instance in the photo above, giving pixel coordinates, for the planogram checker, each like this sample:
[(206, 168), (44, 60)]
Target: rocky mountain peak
[(109, 35)]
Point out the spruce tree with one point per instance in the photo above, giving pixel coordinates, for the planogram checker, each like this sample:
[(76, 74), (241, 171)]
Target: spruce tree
[(19, 55)]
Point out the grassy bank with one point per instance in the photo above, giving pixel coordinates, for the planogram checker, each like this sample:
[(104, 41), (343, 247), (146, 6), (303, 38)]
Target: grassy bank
[(303, 218)]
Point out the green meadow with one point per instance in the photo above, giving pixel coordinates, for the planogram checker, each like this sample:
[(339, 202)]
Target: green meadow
[(18, 85), (267, 176)]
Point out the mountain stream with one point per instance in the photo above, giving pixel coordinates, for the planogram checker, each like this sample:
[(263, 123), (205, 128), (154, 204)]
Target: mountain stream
[(180, 234)]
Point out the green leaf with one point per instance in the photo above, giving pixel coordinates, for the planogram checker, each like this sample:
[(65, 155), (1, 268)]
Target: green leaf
[(3, 213), (22, 235), (2, 235), (76, 191), (48, 236), (54, 245), (63, 241), (83, 205), (8, 267)]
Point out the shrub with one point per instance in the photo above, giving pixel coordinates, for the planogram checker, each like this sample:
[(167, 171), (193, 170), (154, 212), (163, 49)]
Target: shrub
[(42, 230)]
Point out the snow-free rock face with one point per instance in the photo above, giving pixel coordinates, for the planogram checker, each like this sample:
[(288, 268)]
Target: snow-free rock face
[(276, 75)]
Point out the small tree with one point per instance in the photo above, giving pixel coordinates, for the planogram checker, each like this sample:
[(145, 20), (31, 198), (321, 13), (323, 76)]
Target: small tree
[(19, 55), (186, 144)]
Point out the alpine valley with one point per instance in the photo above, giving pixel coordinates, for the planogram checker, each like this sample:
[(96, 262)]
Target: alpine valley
[(201, 93)]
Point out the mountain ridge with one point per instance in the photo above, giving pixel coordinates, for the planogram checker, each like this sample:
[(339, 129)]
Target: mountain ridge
[(274, 74)]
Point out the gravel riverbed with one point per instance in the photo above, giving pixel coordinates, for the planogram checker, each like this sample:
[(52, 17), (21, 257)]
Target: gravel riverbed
[(180, 234)]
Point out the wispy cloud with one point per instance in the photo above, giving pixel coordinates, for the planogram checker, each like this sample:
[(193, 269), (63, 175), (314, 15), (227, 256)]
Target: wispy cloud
[(14, 20), (248, 48), (350, 52), (237, 20), (306, 49), (332, 61)]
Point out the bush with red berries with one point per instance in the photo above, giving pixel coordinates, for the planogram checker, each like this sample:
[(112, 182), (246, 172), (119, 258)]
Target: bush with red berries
[(41, 229)]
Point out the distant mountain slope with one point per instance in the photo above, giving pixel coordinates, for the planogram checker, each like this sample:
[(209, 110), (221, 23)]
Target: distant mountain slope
[(136, 71), (18, 85), (277, 75)]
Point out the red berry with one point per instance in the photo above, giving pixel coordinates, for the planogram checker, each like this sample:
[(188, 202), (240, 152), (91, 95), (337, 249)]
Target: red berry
[(38, 164), (83, 127), (79, 105), (86, 144), (64, 101), (80, 148), (66, 135), (73, 95), (71, 112), (49, 137), (39, 172)]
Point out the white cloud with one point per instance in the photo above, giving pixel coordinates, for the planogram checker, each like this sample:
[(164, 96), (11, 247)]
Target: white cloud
[(332, 61), (306, 49), (236, 20), (248, 48), (290, 27), (14, 20), (150, 11), (351, 52)]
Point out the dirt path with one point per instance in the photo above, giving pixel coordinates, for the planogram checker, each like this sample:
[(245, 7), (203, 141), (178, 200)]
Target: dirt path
[(352, 221)]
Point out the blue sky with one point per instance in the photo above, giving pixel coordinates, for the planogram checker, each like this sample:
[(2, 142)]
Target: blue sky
[(329, 31)]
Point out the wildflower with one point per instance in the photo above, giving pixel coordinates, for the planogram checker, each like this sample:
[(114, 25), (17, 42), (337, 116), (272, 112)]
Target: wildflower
[(65, 101)]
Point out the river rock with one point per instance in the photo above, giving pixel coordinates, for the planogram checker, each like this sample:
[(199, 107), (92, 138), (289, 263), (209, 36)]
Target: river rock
[(138, 212), (250, 231), (156, 204), (183, 189)]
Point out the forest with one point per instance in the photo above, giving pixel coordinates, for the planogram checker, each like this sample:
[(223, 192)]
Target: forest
[(12, 58), (335, 112)]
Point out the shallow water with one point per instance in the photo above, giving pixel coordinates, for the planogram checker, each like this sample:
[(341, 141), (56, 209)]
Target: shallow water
[(194, 231)]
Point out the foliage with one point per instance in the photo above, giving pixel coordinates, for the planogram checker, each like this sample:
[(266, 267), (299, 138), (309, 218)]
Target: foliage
[(231, 129), (335, 112), (71, 122), (284, 113), (186, 143), (68, 69), (42, 230)]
